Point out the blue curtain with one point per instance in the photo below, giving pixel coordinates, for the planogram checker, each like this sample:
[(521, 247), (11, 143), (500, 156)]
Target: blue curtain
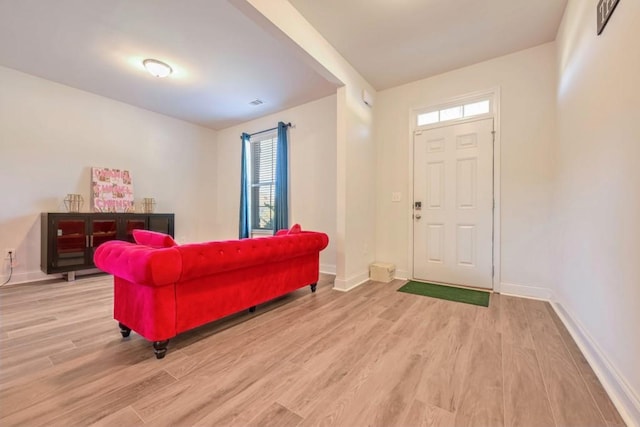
[(244, 190), (281, 219)]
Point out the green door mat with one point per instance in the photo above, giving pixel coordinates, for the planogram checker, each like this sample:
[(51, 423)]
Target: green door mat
[(467, 296)]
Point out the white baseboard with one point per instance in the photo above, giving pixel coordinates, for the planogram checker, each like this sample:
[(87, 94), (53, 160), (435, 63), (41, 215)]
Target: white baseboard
[(623, 397), (526, 291), (29, 276), (39, 276), (402, 275), (327, 269), (352, 282)]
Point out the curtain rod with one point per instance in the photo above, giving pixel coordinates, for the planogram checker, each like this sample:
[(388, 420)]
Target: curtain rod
[(269, 130)]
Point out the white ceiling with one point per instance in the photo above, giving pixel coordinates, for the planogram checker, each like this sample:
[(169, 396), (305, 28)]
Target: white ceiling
[(392, 42), (223, 60)]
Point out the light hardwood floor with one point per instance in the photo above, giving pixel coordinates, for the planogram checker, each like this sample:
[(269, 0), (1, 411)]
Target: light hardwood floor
[(372, 356)]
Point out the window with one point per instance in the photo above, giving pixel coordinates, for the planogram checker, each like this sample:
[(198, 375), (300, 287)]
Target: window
[(262, 156), (455, 112), (264, 182), (450, 114), (476, 108)]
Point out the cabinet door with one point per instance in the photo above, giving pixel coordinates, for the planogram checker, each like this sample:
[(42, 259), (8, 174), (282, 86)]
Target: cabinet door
[(101, 230), (128, 223), (162, 223), (70, 242)]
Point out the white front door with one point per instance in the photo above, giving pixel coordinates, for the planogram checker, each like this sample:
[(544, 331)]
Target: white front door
[(453, 204)]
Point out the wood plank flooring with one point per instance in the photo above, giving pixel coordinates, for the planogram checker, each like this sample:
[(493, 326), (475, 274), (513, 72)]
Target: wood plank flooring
[(369, 357)]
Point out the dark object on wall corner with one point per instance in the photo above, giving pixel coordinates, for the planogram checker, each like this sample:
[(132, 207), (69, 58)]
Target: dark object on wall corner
[(603, 13)]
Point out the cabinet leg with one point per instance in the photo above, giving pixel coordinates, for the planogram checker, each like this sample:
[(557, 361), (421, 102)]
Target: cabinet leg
[(71, 276), (313, 287), (160, 348), (124, 330)]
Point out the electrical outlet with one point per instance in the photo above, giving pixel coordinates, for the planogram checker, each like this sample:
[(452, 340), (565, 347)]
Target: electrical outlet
[(13, 253)]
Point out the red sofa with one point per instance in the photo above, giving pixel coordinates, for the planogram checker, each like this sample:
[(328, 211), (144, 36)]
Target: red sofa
[(162, 289)]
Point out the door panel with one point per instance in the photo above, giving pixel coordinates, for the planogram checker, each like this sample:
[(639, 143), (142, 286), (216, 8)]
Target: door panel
[(435, 243), (466, 244), (435, 189), (467, 171), (453, 204)]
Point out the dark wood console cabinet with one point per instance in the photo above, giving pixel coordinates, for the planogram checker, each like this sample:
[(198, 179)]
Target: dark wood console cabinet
[(69, 239)]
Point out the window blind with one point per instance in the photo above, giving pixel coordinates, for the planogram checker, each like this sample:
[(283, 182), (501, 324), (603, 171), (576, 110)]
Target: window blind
[(263, 164)]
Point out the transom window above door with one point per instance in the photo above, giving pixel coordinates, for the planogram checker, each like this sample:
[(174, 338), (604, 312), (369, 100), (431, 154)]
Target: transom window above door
[(476, 108)]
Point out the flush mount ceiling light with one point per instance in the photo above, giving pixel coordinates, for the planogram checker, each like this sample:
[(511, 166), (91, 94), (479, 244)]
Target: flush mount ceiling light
[(157, 68)]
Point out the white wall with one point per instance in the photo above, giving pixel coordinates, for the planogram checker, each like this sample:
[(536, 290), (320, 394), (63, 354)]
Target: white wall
[(355, 154), (597, 202), (527, 106), (312, 172), (356, 177), (50, 137)]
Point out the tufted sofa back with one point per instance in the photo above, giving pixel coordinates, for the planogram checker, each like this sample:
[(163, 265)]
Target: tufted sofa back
[(201, 259), (161, 266)]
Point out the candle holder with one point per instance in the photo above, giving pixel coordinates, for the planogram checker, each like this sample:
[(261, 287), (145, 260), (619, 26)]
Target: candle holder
[(73, 202), (148, 204)]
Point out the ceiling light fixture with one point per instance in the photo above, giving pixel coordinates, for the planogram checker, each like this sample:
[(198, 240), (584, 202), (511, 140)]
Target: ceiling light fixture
[(157, 68)]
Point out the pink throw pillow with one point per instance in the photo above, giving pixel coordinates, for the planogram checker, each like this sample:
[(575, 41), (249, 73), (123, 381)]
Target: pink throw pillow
[(153, 239), (282, 232), (295, 229)]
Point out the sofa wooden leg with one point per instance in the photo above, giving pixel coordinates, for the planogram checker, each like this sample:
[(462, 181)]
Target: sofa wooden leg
[(160, 348), (313, 287), (252, 309), (124, 330)]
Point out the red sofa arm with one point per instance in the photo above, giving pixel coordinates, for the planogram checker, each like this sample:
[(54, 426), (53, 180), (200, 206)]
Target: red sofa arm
[(139, 264)]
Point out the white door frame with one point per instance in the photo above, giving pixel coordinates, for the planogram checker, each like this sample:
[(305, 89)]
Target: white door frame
[(494, 94)]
